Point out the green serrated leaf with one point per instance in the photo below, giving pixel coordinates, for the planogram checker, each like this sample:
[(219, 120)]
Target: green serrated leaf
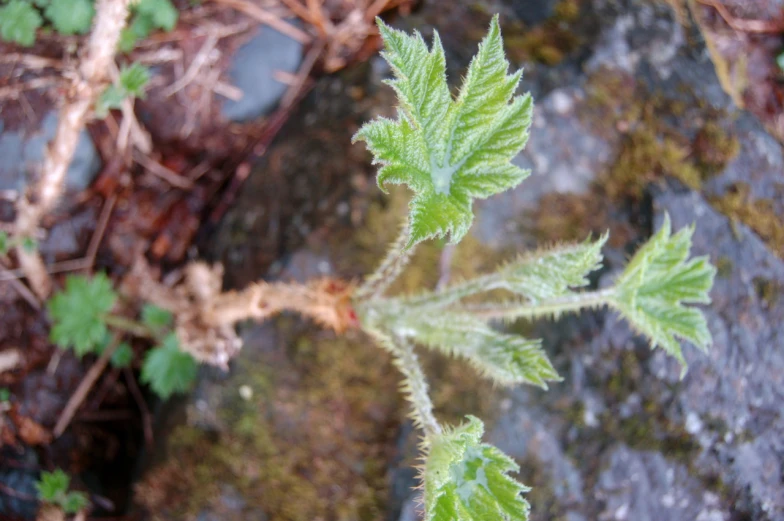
[(5, 395), (161, 13), (74, 502), (507, 359), (18, 22), (140, 27), (134, 79), (448, 151), (70, 16), (655, 287), (467, 480), (167, 369), (29, 244), (111, 98), (156, 318), (552, 273), (52, 486), (4, 243), (123, 356), (78, 312)]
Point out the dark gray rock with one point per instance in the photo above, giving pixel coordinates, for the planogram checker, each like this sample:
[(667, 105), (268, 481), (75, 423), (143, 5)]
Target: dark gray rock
[(252, 71), (22, 151), (645, 486), (731, 399), (533, 12)]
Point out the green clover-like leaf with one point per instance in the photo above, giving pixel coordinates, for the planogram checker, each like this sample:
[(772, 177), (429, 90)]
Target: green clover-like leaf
[(111, 98), (467, 480), (74, 502), (123, 356), (448, 151), (156, 318), (161, 13), (167, 369), (52, 486), (70, 16), (134, 78), (5, 242), (18, 22), (507, 359), (655, 287), (78, 313)]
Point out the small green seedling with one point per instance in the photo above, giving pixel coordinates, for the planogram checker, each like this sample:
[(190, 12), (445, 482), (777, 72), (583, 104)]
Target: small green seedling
[(147, 15), (83, 319), (167, 369), (20, 19), (53, 489), (449, 151), (7, 242), (131, 84)]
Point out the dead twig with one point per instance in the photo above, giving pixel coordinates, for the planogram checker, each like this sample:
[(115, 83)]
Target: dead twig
[(199, 61), (31, 61), (167, 174), (15, 91), (58, 267), (744, 25), (267, 18), (20, 288), (133, 387), (110, 19), (294, 90), (84, 387), (95, 240)]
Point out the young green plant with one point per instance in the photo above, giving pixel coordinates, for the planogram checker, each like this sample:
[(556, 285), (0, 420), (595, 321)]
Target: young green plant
[(20, 19), (53, 488), (450, 151), (83, 319)]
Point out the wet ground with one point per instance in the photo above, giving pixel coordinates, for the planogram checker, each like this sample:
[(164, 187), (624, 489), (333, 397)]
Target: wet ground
[(631, 121)]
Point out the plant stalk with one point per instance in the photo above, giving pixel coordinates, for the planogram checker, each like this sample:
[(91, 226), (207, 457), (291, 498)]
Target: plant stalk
[(128, 326), (415, 385), (390, 268), (554, 307)]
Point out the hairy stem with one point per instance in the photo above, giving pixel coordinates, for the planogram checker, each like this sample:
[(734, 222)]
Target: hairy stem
[(414, 383), (128, 326), (553, 307), (453, 293), (110, 19), (390, 268)]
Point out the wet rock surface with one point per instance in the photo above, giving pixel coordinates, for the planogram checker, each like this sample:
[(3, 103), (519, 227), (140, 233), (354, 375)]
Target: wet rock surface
[(253, 69), (631, 127), (22, 152)]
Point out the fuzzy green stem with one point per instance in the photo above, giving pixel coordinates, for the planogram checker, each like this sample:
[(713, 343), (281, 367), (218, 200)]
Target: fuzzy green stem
[(414, 384), (453, 293), (553, 307), (128, 326), (390, 268)]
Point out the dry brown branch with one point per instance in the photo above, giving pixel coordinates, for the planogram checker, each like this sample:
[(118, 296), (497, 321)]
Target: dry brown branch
[(110, 19), (267, 18), (84, 387), (205, 316), (15, 91), (58, 267), (167, 174), (24, 291), (95, 240), (744, 25), (133, 387)]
